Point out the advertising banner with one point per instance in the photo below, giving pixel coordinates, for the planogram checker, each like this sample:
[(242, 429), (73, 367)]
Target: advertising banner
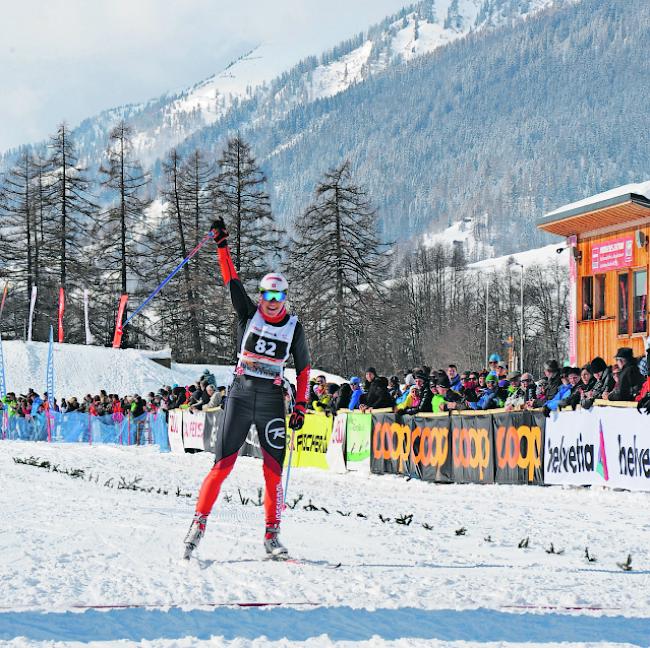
[(623, 449), (119, 327), (211, 429), (357, 441), (414, 445), (612, 255), (472, 443), (431, 448), (336, 445), (572, 448), (61, 313), (193, 425), (391, 445), (519, 447), (311, 443), (175, 431)]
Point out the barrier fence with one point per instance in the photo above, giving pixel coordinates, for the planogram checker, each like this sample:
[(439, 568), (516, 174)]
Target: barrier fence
[(79, 427), (604, 446)]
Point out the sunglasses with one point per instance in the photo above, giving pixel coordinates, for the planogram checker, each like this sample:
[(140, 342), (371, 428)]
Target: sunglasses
[(277, 295)]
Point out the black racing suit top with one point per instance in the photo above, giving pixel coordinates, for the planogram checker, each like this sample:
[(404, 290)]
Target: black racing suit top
[(245, 309)]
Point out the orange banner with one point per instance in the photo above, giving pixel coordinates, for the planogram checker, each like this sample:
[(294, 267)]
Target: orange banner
[(119, 330), (61, 311)]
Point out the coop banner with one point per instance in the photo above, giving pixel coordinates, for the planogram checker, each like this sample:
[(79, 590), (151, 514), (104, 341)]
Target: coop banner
[(193, 430), (519, 447), (357, 441), (310, 443), (472, 443), (175, 431), (411, 445)]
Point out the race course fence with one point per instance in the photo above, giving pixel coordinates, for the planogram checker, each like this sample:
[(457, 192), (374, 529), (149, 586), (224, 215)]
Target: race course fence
[(603, 446), (80, 427)]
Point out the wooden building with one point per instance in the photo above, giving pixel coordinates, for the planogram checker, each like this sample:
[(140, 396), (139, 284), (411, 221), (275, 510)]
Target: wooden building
[(607, 239)]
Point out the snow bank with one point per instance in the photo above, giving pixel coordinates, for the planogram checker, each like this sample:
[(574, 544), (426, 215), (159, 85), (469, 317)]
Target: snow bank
[(81, 369)]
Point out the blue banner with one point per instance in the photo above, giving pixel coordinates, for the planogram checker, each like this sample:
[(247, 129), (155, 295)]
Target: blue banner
[(79, 427)]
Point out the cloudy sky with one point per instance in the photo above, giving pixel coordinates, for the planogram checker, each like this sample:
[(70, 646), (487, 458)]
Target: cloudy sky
[(68, 59)]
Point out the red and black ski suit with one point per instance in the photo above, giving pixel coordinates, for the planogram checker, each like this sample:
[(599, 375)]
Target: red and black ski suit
[(254, 400)]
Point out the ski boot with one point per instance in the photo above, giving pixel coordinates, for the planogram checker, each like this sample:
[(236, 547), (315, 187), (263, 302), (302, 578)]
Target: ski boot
[(275, 550), (195, 533)]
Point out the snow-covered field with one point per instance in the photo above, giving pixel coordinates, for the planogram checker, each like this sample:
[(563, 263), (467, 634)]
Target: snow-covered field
[(68, 543)]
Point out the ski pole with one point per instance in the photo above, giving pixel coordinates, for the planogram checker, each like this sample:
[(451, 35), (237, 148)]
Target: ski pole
[(286, 482), (168, 278)]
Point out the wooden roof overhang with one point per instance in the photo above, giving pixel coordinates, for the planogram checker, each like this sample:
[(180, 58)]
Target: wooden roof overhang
[(619, 210)]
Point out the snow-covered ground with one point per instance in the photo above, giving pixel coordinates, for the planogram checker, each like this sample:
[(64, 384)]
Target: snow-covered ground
[(81, 369), (68, 543)]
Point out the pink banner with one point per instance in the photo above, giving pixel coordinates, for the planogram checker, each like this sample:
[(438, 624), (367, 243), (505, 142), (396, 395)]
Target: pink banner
[(612, 255), (572, 242), (61, 311), (119, 330)]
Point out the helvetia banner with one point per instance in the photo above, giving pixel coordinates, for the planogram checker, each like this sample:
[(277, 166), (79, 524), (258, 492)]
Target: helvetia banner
[(573, 449), (472, 443), (604, 446), (412, 445), (519, 447), (357, 441)]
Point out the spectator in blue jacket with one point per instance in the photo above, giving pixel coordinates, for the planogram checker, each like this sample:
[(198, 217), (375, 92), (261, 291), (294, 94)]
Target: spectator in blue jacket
[(489, 399), (357, 392), (573, 378), (454, 378)]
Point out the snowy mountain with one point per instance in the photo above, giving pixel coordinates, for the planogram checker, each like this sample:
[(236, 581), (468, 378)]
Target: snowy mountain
[(281, 106)]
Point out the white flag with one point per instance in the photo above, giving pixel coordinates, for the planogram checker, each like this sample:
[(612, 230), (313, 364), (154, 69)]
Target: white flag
[(32, 304), (89, 336)]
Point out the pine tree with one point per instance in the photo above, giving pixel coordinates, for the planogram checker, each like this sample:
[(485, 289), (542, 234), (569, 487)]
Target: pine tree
[(72, 207), (127, 183), (18, 209), (174, 236), (339, 263)]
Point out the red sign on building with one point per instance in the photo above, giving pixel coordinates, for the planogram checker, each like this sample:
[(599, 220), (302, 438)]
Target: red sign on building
[(612, 255)]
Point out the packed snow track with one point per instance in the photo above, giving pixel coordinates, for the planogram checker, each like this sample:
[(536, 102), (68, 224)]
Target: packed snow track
[(91, 544)]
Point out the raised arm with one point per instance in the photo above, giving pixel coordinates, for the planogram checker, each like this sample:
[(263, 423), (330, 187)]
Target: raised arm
[(242, 303)]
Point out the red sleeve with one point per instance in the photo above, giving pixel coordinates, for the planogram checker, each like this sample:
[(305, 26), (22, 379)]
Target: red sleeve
[(228, 271), (302, 385)]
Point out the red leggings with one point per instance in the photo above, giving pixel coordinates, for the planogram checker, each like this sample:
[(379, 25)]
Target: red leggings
[(273, 500)]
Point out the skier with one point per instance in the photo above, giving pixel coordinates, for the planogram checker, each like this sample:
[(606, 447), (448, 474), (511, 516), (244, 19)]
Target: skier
[(266, 336)]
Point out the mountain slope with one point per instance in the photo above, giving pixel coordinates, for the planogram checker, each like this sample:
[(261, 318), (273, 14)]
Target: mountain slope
[(498, 127)]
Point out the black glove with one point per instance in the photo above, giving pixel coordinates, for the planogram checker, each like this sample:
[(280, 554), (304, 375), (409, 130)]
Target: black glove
[(297, 418), (546, 411), (218, 227)]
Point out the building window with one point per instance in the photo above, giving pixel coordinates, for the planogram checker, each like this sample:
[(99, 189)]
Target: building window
[(640, 321), (587, 298), (623, 305), (599, 296)]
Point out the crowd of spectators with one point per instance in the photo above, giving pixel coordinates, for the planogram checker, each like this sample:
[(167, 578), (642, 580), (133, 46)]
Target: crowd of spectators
[(423, 390), (420, 390), (203, 394)]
